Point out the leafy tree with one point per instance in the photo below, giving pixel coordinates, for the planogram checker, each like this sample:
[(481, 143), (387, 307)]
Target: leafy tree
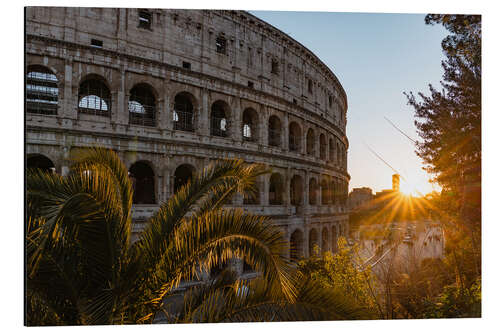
[(449, 125), (342, 273)]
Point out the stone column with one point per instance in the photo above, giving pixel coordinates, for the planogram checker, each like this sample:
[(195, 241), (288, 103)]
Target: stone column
[(235, 122), (285, 133), (263, 125), (204, 114), (119, 103), (70, 103)]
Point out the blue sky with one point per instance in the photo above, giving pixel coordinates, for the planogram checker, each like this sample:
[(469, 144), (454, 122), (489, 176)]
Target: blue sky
[(376, 57)]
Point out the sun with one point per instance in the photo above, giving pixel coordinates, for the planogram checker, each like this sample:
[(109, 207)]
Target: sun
[(409, 190)]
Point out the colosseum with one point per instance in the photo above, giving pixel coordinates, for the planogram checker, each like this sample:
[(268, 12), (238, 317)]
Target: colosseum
[(172, 90)]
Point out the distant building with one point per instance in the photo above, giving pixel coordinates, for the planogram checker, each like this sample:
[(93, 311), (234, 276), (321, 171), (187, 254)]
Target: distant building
[(359, 196)]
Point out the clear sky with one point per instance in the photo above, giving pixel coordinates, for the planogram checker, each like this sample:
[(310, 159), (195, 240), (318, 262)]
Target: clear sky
[(376, 57)]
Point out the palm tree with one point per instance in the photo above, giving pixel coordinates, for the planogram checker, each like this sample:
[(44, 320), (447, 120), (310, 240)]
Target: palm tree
[(82, 267)]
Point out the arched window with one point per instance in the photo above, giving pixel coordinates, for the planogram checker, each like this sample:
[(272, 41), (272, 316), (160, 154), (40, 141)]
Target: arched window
[(183, 174), (313, 191), (143, 183), (322, 147), (310, 144), (331, 153), (38, 161), (249, 125), (296, 245), (275, 189), (274, 129), (42, 93), (294, 137), (325, 193), (183, 115), (94, 97), (296, 191), (313, 241), (142, 106), (324, 240), (219, 119)]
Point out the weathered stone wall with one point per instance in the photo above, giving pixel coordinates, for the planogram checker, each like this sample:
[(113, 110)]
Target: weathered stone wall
[(301, 89)]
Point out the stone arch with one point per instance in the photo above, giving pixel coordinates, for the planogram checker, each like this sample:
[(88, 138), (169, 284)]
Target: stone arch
[(297, 245), (294, 137), (39, 161), (184, 111), (219, 118), (276, 189), (313, 240), (324, 240), (142, 105), (322, 147), (313, 191), (296, 190), (42, 90), (250, 125), (310, 142), (274, 131), (94, 96), (143, 183), (182, 175)]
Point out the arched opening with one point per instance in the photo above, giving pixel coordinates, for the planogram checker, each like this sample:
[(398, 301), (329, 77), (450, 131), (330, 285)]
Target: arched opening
[(182, 175), (142, 105), (183, 115), (322, 147), (275, 189), (324, 240), (41, 162), (310, 144), (313, 241), (219, 119), (296, 191), (249, 125), (313, 191), (296, 245), (42, 93), (294, 137), (274, 129), (94, 97), (331, 151), (143, 183)]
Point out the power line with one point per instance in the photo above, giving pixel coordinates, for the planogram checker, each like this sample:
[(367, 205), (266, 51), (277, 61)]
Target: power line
[(386, 163), (400, 131)]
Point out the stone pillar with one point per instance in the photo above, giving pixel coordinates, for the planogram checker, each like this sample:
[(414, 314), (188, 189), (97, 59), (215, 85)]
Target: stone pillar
[(70, 102), (204, 114), (263, 125), (235, 122), (119, 102), (285, 133)]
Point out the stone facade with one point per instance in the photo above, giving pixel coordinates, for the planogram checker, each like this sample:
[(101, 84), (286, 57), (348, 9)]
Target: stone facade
[(279, 105)]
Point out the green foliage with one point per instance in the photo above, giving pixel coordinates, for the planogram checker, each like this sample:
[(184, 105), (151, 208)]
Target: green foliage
[(340, 272), (458, 302), (449, 121)]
